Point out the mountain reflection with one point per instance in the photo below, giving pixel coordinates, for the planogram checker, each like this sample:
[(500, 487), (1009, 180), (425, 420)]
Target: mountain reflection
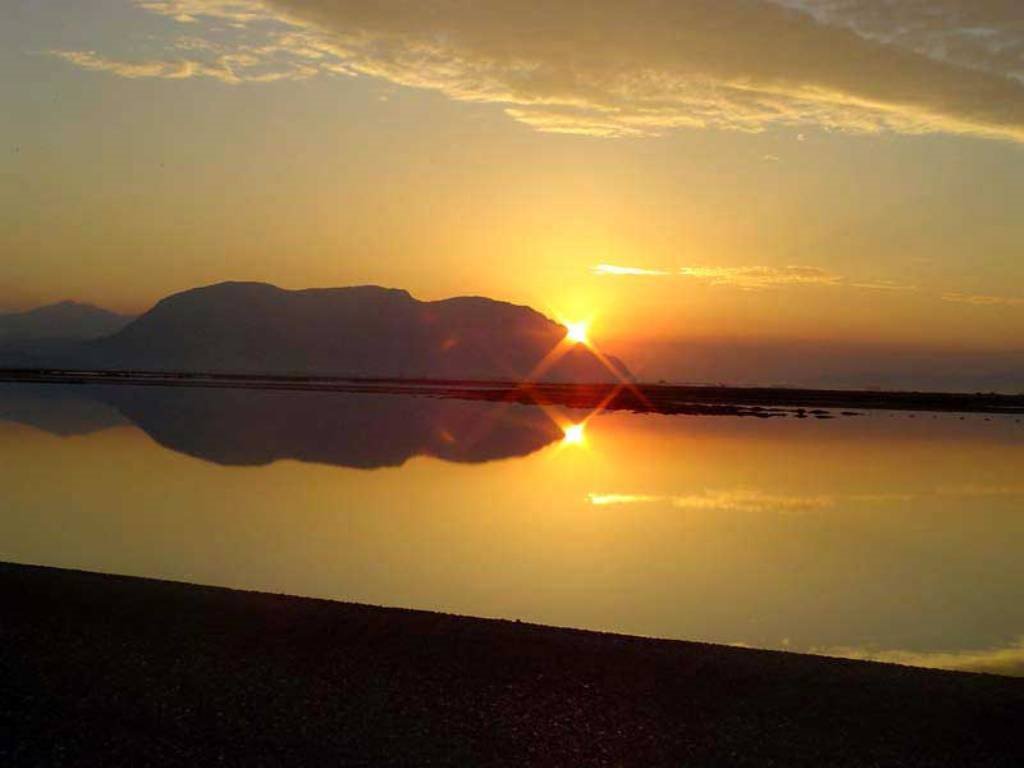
[(256, 427)]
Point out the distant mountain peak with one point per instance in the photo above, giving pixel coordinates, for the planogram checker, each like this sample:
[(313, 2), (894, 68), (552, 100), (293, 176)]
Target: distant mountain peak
[(64, 304), (67, 319), (361, 331)]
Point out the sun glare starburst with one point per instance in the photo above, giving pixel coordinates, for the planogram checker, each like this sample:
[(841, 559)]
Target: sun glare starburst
[(576, 333), (573, 434)]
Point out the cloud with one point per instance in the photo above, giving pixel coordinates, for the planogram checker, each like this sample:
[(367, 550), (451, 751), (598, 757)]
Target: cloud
[(998, 661), (612, 269), (747, 278), (882, 285), (756, 277), (171, 70), (759, 277), (613, 69), (980, 491), (983, 299), (609, 499), (979, 34), (191, 11), (231, 68), (724, 501), (754, 500)]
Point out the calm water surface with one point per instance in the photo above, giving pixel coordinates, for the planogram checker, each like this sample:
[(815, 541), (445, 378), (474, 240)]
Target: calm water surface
[(882, 536)]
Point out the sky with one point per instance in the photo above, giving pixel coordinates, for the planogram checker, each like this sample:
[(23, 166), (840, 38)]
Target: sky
[(844, 172)]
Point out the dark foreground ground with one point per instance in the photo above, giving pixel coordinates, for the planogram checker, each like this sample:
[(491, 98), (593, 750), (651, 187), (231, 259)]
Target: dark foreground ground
[(101, 670), (762, 402)]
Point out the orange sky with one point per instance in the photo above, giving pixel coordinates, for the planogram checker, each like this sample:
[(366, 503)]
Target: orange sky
[(751, 171)]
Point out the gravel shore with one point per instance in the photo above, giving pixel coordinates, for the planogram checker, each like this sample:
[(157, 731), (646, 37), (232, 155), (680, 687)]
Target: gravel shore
[(108, 670)]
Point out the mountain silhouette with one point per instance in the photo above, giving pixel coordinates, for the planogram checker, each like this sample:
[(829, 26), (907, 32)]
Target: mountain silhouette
[(256, 427), (363, 331), (64, 320), (65, 411)]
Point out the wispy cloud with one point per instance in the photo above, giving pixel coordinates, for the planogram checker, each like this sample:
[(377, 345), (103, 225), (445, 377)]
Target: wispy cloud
[(192, 11), (881, 285), (983, 299), (755, 500), (760, 277), (614, 269), (971, 33), (747, 278), (740, 500), (606, 68), (609, 499), (171, 70), (980, 491), (233, 68)]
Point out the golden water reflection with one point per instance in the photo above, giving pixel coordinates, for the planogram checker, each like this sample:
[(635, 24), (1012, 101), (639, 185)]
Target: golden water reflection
[(876, 536)]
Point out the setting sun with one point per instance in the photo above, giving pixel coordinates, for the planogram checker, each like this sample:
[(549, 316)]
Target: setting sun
[(576, 333)]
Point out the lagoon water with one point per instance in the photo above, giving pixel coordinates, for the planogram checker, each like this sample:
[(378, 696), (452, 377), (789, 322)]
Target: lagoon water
[(885, 535)]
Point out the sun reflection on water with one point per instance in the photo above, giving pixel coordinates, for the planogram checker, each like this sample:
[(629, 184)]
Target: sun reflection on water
[(574, 434)]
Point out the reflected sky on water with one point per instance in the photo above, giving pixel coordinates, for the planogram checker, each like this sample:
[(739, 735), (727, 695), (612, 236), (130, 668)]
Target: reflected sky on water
[(882, 535)]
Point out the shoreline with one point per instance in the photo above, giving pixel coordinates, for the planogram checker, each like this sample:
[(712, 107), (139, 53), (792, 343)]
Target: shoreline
[(760, 402), (120, 670)]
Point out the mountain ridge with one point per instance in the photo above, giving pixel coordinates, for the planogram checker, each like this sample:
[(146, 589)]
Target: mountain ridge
[(68, 319), (349, 331)]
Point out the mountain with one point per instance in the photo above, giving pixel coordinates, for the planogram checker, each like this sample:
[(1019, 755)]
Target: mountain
[(365, 431), (363, 331), (241, 427), (65, 320), (59, 410)]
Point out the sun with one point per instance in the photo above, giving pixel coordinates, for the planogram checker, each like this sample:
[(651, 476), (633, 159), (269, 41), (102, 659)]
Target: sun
[(577, 333), (573, 434)]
